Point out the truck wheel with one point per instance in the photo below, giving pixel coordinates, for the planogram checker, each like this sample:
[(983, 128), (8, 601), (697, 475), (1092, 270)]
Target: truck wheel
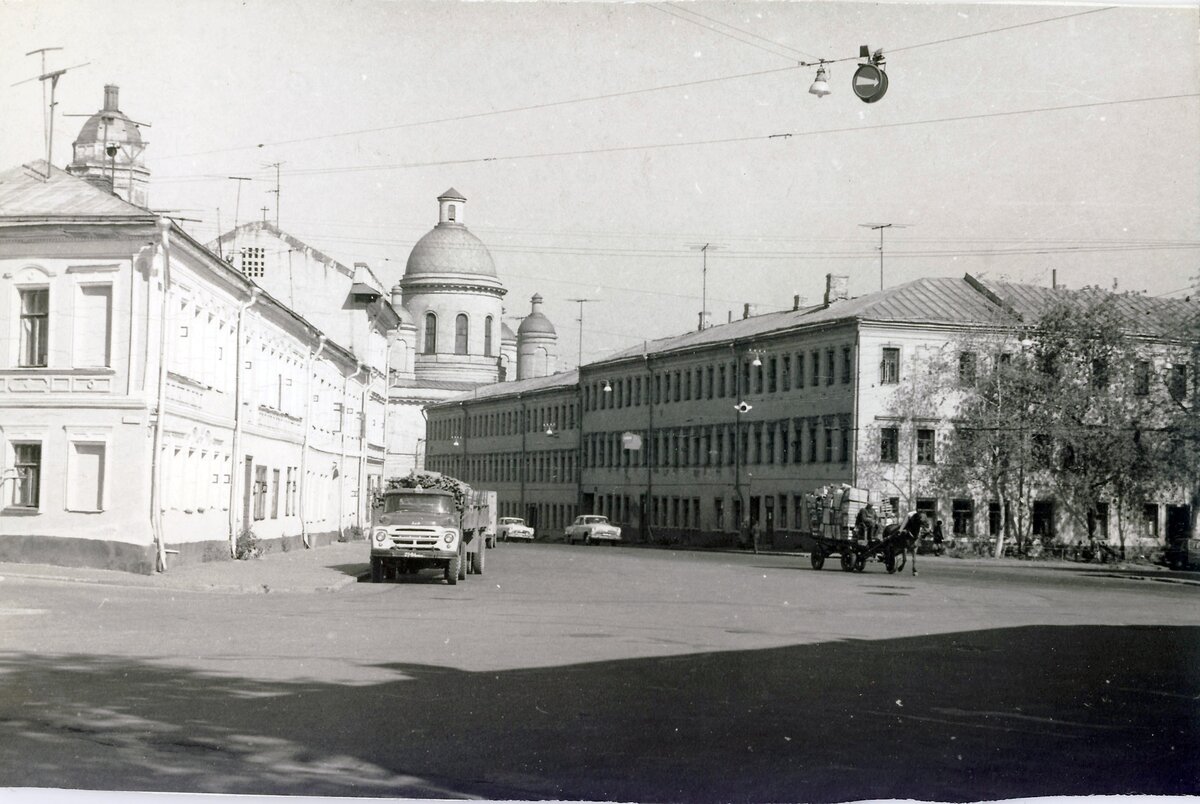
[(817, 558), (462, 567), (479, 563), (376, 570), (452, 568)]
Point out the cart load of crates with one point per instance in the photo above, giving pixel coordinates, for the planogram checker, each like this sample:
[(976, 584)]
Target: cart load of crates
[(833, 512)]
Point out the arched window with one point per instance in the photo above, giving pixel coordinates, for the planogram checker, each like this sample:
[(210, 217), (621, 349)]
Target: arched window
[(460, 334), (487, 336), (430, 334), (451, 215)]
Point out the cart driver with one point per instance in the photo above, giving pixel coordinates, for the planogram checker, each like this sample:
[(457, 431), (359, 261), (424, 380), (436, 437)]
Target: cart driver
[(866, 524)]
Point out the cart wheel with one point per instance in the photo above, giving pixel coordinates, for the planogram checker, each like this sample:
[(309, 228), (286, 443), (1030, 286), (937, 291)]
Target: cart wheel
[(847, 562), (817, 558), (860, 562)]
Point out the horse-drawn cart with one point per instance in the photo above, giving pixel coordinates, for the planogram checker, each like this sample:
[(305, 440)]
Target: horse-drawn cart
[(833, 515)]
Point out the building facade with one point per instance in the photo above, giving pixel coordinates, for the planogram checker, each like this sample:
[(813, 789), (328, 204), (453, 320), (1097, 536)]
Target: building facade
[(712, 435), (156, 405)]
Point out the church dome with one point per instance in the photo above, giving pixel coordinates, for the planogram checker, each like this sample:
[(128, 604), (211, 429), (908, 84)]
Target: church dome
[(506, 333), (536, 322), (449, 248), (109, 125)]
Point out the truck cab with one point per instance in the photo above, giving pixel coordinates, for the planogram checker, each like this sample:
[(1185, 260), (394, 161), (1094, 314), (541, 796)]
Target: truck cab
[(413, 529)]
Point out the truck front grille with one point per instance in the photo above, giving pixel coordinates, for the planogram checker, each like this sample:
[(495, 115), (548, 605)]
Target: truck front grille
[(415, 537)]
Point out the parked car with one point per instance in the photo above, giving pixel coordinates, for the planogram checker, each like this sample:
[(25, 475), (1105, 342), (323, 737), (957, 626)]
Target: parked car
[(513, 528), (591, 528)]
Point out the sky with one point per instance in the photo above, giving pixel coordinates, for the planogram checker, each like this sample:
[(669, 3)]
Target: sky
[(600, 144)]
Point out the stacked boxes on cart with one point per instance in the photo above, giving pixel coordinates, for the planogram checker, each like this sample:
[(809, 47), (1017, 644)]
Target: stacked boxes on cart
[(834, 509)]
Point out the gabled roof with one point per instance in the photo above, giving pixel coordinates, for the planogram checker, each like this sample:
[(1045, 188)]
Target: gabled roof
[(939, 301), (27, 194)]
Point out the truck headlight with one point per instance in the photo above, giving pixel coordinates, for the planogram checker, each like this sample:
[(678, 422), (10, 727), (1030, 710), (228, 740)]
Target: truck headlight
[(448, 538), (381, 536)]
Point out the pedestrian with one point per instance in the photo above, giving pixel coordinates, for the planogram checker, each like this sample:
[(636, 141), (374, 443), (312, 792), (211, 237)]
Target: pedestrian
[(938, 537)]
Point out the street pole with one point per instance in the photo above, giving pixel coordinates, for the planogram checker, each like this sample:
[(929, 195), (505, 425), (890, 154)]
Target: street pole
[(880, 227), (704, 248), (579, 360)]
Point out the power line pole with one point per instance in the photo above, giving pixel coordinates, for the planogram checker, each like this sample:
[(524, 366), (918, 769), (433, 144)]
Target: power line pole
[(579, 362), (881, 227), (276, 190), (704, 248), (238, 200)]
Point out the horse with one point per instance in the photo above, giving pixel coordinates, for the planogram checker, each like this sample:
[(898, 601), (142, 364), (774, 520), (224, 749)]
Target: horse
[(906, 537)]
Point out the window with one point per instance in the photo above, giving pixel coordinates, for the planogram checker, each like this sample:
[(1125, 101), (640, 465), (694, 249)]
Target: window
[(889, 366), (889, 444), (785, 370), (430, 334), (451, 212), (719, 513), (815, 359), (993, 519), (963, 514), (773, 376), (93, 317), (829, 369), (487, 336), (721, 382), (35, 329), (86, 468), (1100, 374), (254, 261), (28, 483), (828, 445), (274, 494), (812, 443), (708, 387), (1150, 517), (925, 446), (1141, 378), (260, 492), (845, 445), (460, 334), (967, 368), (1177, 381), (800, 371), (847, 365)]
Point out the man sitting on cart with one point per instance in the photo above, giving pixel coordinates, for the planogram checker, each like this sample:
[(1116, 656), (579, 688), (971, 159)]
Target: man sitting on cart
[(866, 524)]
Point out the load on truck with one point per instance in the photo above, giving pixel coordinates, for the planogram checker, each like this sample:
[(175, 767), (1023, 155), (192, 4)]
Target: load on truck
[(427, 520)]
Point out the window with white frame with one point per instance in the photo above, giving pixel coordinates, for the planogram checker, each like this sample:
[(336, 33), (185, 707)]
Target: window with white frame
[(27, 484), (34, 328), (93, 326), (85, 476)]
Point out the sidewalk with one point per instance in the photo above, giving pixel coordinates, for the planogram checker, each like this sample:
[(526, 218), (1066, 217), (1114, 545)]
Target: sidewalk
[(320, 569)]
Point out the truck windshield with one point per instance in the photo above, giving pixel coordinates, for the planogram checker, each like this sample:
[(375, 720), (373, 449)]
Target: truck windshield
[(418, 503)]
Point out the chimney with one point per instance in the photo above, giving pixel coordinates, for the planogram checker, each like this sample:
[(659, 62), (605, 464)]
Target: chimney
[(836, 288), (110, 97), (397, 296), (798, 301), (748, 310), (1054, 278)]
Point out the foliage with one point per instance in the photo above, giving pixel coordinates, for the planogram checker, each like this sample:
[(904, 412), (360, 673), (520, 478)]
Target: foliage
[(247, 546), (353, 533)]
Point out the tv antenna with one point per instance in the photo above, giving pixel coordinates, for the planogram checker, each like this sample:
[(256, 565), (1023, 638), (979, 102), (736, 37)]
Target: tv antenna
[(881, 227), (579, 361), (52, 77), (704, 248), (276, 190), (238, 199)]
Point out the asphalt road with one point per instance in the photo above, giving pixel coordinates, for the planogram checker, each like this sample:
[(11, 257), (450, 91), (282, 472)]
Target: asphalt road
[(614, 674)]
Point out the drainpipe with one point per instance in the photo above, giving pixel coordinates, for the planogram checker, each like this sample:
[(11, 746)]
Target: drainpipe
[(362, 444), (235, 458), (156, 526), (390, 340), (312, 358), (342, 463), (854, 424), (524, 455), (744, 506), (648, 508)]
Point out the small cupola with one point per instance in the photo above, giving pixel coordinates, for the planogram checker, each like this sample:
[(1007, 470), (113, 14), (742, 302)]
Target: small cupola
[(450, 207)]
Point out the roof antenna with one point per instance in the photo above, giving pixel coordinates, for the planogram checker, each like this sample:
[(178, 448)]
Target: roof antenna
[(52, 77)]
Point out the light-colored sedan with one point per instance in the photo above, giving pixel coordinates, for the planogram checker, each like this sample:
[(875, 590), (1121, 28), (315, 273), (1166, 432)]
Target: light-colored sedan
[(514, 529), (591, 528)]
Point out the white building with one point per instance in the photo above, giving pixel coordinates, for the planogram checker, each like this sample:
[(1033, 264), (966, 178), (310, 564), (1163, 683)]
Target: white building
[(154, 402)]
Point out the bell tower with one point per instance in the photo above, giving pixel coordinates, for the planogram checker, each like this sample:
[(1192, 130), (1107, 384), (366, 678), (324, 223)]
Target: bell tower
[(108, 152)]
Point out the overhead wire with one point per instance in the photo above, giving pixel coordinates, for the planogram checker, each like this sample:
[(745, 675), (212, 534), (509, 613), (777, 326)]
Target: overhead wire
[(719, 141), (674, 12)]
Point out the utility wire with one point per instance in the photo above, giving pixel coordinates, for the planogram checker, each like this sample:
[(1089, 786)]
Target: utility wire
[(674, 12), (999, 30), (695, 13), (721, 141)]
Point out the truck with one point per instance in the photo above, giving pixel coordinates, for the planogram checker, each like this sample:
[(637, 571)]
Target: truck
[(427, 520)]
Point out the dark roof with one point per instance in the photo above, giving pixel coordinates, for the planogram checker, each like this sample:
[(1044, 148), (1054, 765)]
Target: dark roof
[(563, 379), (25, 193)]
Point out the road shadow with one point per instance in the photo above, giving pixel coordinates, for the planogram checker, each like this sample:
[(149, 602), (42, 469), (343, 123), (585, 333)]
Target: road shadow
[(356, 570), (1004, 713)]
